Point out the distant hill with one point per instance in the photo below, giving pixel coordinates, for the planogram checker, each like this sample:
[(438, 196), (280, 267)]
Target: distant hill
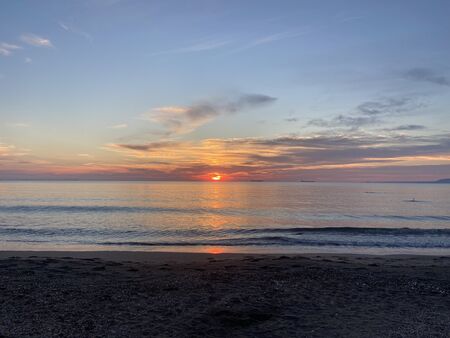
[(444, 180)]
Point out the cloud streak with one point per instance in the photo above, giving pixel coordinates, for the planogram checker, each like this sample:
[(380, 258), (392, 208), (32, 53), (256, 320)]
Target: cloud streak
[(275, 37), (71, 29), (119, 126), (182, 120), (407, 127), (7, 49), (35, 40), (18, 125), (270, 38), (368, 114), (427, 75), (202, 46)]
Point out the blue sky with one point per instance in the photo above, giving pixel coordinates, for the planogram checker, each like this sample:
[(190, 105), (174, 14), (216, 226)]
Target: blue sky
[(87, 86)]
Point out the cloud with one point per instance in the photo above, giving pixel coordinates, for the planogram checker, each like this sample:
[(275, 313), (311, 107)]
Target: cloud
[(35, 40), (5, 149), (74, 30), (291, 119), (213, 44), (7, 49), (28, 60), (10, 152), (103, 3), (369, 113), (18, 125), (389, 106), (285, 157), (181, 120), (427, 75), (146, 147), (327, 156), (407, 127), (119, 126), (275, 37), (206, 45), (344, 121), (270, 38)]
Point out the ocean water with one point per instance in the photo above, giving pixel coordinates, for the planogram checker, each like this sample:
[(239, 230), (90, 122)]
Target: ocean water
[(225, 217)]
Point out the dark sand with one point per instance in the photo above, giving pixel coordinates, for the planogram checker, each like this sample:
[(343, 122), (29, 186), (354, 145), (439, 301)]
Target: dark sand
[(71, 294)]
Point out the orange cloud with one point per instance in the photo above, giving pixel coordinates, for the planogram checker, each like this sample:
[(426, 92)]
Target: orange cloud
[(282, 158)]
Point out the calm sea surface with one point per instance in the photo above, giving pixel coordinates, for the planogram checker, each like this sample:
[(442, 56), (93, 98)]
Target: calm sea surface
[(225, 217)]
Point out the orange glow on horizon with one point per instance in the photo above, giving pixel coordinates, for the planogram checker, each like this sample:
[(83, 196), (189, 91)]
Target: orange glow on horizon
[(215, 250), (216, 177)]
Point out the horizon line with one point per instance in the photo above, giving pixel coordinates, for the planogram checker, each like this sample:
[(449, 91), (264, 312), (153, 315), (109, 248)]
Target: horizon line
[(206, 181)]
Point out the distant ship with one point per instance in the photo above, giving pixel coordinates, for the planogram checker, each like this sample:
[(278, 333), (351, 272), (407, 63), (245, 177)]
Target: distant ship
[(306, 181)]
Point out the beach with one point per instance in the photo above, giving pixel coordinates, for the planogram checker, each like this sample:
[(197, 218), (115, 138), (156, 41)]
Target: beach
[(117, 294)]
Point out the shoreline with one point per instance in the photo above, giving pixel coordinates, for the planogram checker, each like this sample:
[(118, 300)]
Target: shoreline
[(229, 250), (180, 256)]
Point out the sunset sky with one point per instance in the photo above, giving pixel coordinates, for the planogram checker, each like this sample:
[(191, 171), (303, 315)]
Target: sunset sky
[(185, 90)]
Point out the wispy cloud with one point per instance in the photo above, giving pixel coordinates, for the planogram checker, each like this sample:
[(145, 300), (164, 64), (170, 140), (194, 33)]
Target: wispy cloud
[(105, 3), (348, 16), (10, 152), (369, 113), (5, 149), (7, 49), (291, 119), (407, 127), (275, 37), (351, 18), (387, 106), (18, 125), (181, 120), (119, 126), (427, 75), (35, 40), (28, 60), (270, 38), (146, 147), (205, 45), (72, 29)]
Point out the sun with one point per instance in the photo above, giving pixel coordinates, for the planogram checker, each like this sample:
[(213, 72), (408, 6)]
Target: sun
[(216, 177)]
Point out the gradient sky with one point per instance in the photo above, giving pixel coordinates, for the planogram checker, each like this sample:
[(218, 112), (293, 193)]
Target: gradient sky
[(273, 90)]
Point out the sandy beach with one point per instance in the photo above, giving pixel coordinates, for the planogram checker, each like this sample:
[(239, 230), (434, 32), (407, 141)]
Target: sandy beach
[(117, 294)]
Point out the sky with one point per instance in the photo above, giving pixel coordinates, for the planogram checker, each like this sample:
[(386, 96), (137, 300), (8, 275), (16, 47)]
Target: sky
[(335, 90)]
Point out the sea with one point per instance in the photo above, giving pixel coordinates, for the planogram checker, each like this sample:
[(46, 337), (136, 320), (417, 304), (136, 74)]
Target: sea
[(216, 217)]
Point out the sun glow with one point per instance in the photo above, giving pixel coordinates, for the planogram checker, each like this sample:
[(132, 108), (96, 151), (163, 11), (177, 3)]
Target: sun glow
[(216, 177), (215, 250)]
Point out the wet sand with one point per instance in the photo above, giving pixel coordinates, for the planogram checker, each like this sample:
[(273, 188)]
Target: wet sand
[(126, 294)]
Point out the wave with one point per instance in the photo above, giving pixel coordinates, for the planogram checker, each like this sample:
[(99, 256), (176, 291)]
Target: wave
[(88, 209), (84, 208), (285, 241), (297, 236), (356, 231), (403, 217), (296, 231)]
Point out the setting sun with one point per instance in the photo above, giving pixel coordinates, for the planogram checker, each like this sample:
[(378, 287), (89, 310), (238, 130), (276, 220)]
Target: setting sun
[(216, 177)]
